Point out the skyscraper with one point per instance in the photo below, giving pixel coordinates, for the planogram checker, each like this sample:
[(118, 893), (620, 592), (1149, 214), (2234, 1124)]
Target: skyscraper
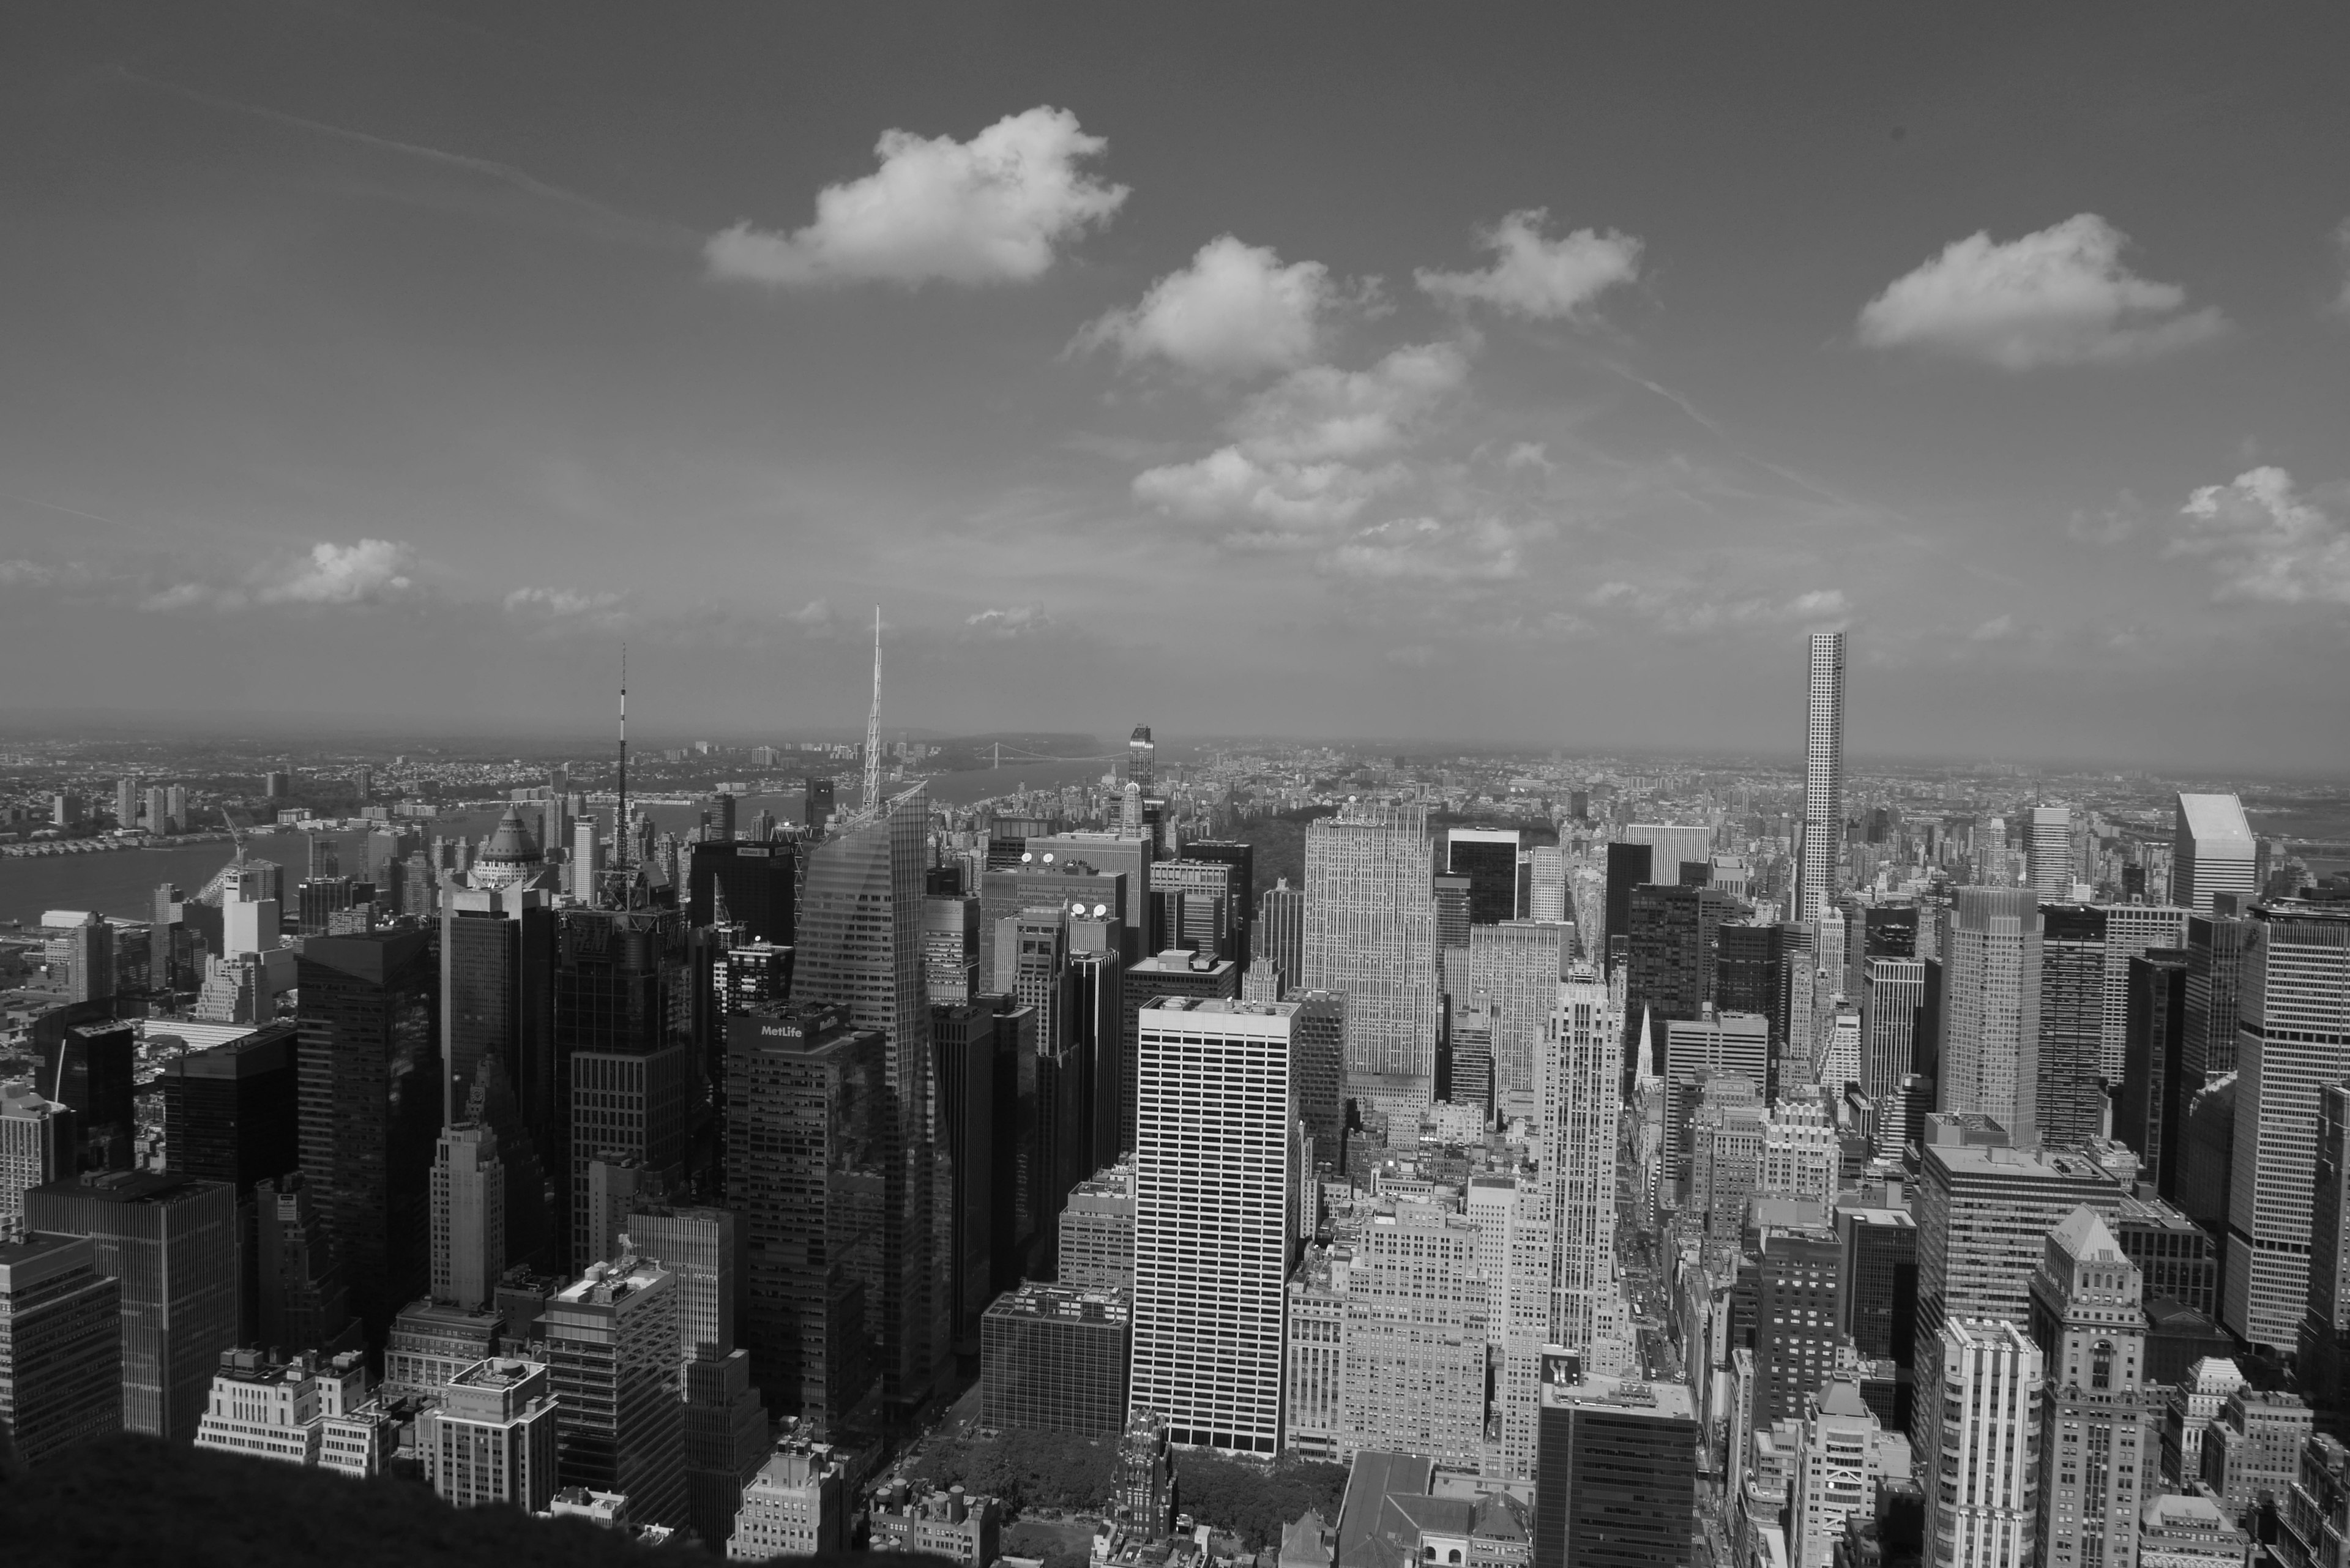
[(1195, 904), (2293, 1017), (1214, 1157), (1989, 1516), (368, 1066), (1141, 759), (1815, 883), (497, 959), (1991, 992), (2048, 851), (38, 1143), (2068, 1101), (1892, 999), (2212, 852), (1488, 857), (611, 1347), (60, 1343), (1668, 960), (1518, 964), (1616, 1482), (1370, 936), (1280, 932), (757, 880), (1630, 866), (2097, 1444), (1242, 858), (1546, 887), (1578, 1124), (2151, 1116), (469, 1217)]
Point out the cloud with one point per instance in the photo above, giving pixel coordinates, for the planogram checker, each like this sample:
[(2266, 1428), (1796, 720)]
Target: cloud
[(2059, 296), (2111, 526), (2266, 542), (1309, 448), (1425, 550), (1529, 454), (557, 609), (2342, 244), (1236, 311), (25, 573), (1412, 656), (1673, 610), (1018, 620), (813, 618), (1537, 277), (1994, 629), (372, 571), (990, 210)]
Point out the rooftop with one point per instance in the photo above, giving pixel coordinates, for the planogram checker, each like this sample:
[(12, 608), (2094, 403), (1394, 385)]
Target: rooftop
[(1062, 1302)]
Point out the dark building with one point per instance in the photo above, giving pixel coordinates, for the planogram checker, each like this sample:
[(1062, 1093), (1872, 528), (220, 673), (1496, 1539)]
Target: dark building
[(809, 1103), (1015, 1229), (2177, 1257), (1488, 859), (497, 1043), (1450, 896), (1749, 974), (1279, 932), (2176, 1337), (1242, 858), (2207, 1154), (1317, 1069), (963, 1052), (231, 1114), (90, 1069), (2072, 1102), (1096, 1051), (1194, 905), (619, 975), (2152, 1115), (368, 1066), (1066, 880), (1056, 1360), (1629, 866), (1888, 931), (171, 1241), (1616, 1478), (757, 881), (2215, 950), (1880, 1298), (2325, 1338), (1667, 958), (61, 1357), (305, 1300), (1799, 1288), (818, 806)]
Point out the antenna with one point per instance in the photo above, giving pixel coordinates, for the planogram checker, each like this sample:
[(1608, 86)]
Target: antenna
[(873, 724)]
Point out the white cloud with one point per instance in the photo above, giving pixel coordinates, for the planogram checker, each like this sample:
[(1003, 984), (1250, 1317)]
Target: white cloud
[(1425, 550), (813, 618), (372, 571), (1228, 483), (1529, 454), (1236, 311), (990, 210), (2266, 542), (1017, 620), (559, 602), (25, 573), (1994, 629), (1537, 278), (2059, 296), (2111, 526), (1675, 610)]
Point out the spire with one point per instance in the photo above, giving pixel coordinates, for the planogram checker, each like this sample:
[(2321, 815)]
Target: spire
[(873, 725)]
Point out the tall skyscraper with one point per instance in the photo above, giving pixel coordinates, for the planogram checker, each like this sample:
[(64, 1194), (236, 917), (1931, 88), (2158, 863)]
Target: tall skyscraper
[(1815, 882), (1892, 998), (1242, 858), (2324, 1344), (1673, 848), (611, 1348), (305, 1292), (39, 1143), (2151, 1116), (1578, 1125), (1195, 905), (1488, 857), (2069, 1100), (171, 1241), (1991, 997), (860, 949), (1630, 866), (1452, 896), (1280, 932), (2048, 851), (497, 961), (1370, 936), (2130, 929), (1546, 887), (1317, 1068), (1141, 759), (368, 1066), (1616, 1483), (2098, 1439), (1667, 959), (469, 1217), (757, 881), (2293, 1014), (1214, 1156), (60, 1343), (1989, 1516), (2212, 852), (1518, 964), (1415, 1337)]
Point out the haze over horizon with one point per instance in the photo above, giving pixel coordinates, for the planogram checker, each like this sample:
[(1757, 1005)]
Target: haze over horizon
[(1294, 373)]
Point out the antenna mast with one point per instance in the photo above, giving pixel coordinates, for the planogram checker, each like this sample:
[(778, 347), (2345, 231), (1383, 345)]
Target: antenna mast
[(873, 725)]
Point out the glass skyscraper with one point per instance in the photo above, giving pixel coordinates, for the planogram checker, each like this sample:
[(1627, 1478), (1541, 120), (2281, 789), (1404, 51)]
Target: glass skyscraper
[(1370, 936)]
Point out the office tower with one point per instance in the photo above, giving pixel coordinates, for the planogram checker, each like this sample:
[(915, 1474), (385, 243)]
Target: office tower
[(1616, 1483), (1176, 973), (2151, 1116), (1450, 899), (1213, 1155), (1665, 959), (431, 1341), (1280, 932), (1415, 1334), (2048, 852), (1095, 1067), (1546, 886), (703, 1247), (2097, 1439), (809, 1119), (1194, 904), (1629, 866), (60, 1343), (1242, 858), (1578, 1128), (497, 956), (1801, 1158), (1097, 1232), (756, 881), (2293, 1014), (1835, 1051), (1055, 1358), (1317, 1068), (1673, 848), (1083, 854), (1983, 1207), (2130, 929), (2325, 1340), (1517, 965), (1725, 1140), (230, 1114), (965, 1054), (2250, 1452), (39, 1142), (1488, 858), (583, 872), (817, 804), (2069, 1100), (368, 1072), (1696, 1049), (1750, 974), (1141, 764), (951, 947), (1846, 1456), (796, 1506), (304, 1293), (2215, 952), (727, 1438), (490, 1438), (1370, 937), (1892, 998), (1261, 982), (170, 1239), (2212, 852), (469, 1217), (1990, 998), (1014, 1227), (860, 950), (1799, 1290), (89, 959), (1986, 1514), (1878, 1302), (1823, 826), (1061, 880), (624, 1078), (629, 1109), (611, 1349)]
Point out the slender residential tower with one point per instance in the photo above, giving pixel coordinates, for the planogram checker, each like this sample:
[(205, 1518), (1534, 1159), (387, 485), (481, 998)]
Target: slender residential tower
[(1823, 776)]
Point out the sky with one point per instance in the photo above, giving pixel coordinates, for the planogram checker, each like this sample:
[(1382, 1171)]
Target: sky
[(1529, 375)]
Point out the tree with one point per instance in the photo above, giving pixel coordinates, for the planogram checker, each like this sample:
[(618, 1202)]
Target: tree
[(1253, 1503)]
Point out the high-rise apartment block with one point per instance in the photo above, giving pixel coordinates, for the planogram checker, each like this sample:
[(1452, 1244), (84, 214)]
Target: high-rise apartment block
[(37, 1144), (1214, 1206), (1370, 936)]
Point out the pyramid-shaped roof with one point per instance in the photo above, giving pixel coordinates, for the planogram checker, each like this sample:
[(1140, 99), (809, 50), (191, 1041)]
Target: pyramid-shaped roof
[(2083, 1235)]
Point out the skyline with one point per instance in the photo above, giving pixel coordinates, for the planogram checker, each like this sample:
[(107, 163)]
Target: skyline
[(1553, 395)]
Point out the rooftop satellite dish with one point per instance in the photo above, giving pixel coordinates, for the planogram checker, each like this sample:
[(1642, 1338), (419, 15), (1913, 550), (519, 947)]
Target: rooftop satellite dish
[(1048, 857), (1099, 911), (1026, 856), (1078, 908)]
